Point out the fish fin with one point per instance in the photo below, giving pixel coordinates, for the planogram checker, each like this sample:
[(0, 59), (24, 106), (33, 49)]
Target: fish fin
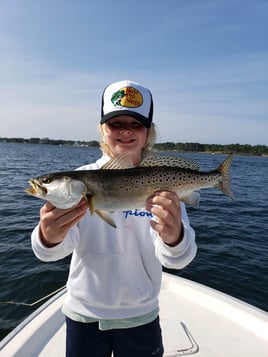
[(90, 202), (122, 161), (156, 159), (224, 170), (106, 217), (103, 214), (191, 198)]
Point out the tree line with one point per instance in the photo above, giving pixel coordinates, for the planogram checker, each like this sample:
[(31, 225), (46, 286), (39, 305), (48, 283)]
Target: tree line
[(215, 148), (243, 149)]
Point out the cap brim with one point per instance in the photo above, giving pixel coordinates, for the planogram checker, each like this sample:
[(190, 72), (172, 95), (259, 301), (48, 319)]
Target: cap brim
[(145, 121)]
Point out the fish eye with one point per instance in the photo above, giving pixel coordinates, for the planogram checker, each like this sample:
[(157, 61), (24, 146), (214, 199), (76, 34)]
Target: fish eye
[(46, 180)]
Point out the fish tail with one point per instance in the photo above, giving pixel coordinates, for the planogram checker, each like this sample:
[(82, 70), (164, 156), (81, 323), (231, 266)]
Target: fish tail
[(224, 185)]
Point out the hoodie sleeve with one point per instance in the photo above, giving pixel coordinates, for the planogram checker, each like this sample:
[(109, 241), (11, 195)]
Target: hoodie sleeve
[(182, 254), (57, 252)]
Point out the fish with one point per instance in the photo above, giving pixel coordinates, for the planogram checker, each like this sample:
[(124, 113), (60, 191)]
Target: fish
[(119, 186)]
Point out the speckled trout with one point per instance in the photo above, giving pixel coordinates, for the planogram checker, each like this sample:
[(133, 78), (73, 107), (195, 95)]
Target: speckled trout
[(118, 186)]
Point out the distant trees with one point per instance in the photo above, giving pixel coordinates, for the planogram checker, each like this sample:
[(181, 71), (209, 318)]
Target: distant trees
[(245, 149), (48, 141), (214, 148)]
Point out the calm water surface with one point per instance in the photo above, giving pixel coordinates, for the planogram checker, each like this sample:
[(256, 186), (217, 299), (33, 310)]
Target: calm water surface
[(232, 236)]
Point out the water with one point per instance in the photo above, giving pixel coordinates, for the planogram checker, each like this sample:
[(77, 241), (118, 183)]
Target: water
[(232, 237)]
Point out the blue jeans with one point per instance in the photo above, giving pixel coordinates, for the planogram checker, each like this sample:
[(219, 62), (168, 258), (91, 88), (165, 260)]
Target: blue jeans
[(86, 340)]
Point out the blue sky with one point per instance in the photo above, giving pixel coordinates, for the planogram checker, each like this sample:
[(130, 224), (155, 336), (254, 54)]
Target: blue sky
[(205, 61)]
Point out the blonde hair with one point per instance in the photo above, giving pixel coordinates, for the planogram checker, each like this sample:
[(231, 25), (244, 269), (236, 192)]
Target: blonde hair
[(151, 138)]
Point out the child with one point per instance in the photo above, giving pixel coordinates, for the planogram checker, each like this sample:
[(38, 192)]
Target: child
[(115, 273)]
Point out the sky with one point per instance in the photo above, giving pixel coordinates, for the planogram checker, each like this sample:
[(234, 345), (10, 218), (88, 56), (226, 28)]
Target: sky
[(205, 62)]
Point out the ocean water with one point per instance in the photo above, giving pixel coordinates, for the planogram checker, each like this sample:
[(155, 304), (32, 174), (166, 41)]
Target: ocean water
[(232, 236)]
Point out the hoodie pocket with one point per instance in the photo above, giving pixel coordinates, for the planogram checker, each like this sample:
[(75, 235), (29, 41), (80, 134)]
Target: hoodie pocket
[(118, 280)]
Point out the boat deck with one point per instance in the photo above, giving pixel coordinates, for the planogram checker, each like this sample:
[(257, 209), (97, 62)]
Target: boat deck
[(195, 320)]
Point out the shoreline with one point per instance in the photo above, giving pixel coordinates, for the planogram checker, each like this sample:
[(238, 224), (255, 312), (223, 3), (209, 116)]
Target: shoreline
[(237, 149)]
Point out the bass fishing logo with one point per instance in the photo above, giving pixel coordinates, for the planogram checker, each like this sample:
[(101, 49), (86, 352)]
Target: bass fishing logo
[(127, 97)]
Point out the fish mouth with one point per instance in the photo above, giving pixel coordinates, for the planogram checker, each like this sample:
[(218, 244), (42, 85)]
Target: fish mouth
[(36, 188)]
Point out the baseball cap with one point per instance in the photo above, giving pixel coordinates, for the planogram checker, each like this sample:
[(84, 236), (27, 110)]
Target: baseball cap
[(127, 98)]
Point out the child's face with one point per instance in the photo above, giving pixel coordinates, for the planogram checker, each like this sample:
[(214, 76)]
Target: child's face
[(124, 134)]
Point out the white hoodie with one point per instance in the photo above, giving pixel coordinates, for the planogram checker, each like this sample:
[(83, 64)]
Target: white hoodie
[(115, 273)]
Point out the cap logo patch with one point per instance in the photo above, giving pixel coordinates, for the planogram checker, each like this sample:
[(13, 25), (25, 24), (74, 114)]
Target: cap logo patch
[(128, 97)]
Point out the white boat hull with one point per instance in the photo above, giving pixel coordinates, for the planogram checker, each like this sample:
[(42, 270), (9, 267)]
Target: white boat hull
[(195, 320)]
